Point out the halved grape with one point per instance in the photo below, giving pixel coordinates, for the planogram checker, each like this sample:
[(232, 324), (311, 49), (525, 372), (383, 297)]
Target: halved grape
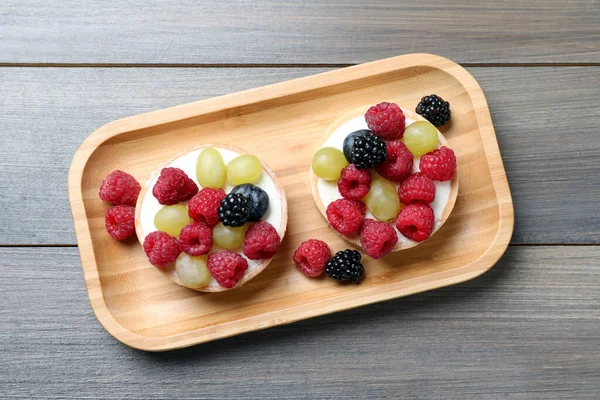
[(328, 163), (228, 237), (420, 138), (210, 169), (192, 271), (244, 169), (171, 219), (382, 200)]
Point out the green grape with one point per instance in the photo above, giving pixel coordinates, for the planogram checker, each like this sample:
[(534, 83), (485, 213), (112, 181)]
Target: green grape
[(328, 163), (382, 200), (192, 271), (210, 169), (228, 237), (420, 137), (244, 169), (171, 219)]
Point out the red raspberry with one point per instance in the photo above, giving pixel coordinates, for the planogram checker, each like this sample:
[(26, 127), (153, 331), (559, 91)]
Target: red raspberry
[(386, 120), (311, 257), (173, 186), (120, 221), (161, 248), (195, 239), (261, 241), (377, 238), (417, 188), (439, 164), (344, 216), (399, 162), (415, 221), (120, 188), (227, 267), (204, 207), (354, 183), (362, 207)]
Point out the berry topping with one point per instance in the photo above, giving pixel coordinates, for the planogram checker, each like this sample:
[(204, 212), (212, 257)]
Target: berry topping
[(312, 257), (368, 151), (195, 239), (386, 120), (327, 163), (361, 206), (120, 221), (415, 221), (434, 109), (259, 200), (439, 165), (377, 238), (234, 210), (344, 215), (204, 207), (399, 162), (120, 188), (349, 142), (345, 267), (227, 267), (161, 248), (173, 186), (417, 188), (354, 183), (261, 242)]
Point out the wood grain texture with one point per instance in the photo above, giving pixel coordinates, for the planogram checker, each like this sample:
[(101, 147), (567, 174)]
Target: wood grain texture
[(527, 329), (48, 112), (297, 31)]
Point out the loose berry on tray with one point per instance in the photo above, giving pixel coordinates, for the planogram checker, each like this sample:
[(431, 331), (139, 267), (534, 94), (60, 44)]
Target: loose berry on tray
[(439, 165), (417, 188), (120, 221), (120, 188), (415, 221), (244, 169), (328, 162), (228, 237), (195, 239), (173, 186), (234, 210), (171, 219), (382, 200), (344, 216), (368, 151), (227, 267), (399, 162), (161, 248), (386, 120), (354, 183), (210, 169), (311, 257), (261, 242), (434, 109), (192, 271), (349, 142), (259, 200), (377, 238), (345, 267), (204, 207), (420, 137)]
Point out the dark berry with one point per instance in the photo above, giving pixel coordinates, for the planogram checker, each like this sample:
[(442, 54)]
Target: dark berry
[(349, 142), (259, 200), (234, 210), (345, 267), (368, 151), (434, 109)]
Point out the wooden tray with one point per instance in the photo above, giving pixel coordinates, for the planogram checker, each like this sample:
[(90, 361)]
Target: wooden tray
[(283, 124)]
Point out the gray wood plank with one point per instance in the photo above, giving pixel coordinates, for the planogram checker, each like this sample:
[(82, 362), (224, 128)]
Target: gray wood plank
[(528, 328), (297, 31), (546, 120)]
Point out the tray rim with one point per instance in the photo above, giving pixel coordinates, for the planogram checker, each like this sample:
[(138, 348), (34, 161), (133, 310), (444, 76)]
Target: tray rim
[(264, 93)]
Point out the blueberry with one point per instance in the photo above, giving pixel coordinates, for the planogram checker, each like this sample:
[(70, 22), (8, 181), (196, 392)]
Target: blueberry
[(349, 142), (259, 200)]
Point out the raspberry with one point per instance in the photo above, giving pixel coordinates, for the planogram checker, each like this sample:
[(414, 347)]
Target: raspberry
[(344, 216), (399, 162), (173, 186), (386, 120), (161, 248), (311, 257), (120, 221), (362, 207), (195, 239), (204, 207), (354, 184), (261, 241), (439, 164), (415, 221), (120, 188), (377, 238), (227, 267), (417, 188)]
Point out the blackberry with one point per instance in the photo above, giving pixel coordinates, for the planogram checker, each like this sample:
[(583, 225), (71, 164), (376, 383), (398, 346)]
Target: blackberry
[(349, 142), (234, 210), (345, 267), (368, 151), (434, 109), (259, 200)]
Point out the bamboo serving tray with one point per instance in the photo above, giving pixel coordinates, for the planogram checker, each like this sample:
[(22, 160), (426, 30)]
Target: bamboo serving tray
[(283, 124)]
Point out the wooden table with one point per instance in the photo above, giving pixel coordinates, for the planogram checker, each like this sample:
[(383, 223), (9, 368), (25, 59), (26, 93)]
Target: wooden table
[(529, 328)]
